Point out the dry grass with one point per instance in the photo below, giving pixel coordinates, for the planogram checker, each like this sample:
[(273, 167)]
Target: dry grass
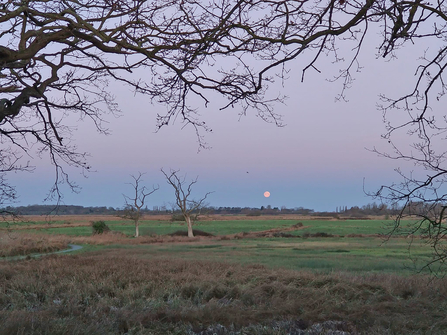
[(109, 292), (45, 226), (73, 219), (16, 243)]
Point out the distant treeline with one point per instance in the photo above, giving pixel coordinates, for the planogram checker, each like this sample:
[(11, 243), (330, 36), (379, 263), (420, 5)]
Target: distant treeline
[(342, 211), (60, 210)]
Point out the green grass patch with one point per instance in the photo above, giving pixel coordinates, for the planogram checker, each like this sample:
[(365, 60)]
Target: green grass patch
[(149, 227), (319, 254), (356, 255)]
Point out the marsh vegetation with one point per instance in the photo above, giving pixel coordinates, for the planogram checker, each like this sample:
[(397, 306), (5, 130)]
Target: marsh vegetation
[(242, 279)]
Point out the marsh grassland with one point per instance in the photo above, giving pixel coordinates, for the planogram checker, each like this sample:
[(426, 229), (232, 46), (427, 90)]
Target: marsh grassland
[(261, 276)]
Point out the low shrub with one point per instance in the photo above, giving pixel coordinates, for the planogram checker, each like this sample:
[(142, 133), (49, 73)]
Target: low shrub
[(99, 227)]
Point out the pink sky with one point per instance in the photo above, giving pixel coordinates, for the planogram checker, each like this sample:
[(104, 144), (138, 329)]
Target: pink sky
[(318, 160)]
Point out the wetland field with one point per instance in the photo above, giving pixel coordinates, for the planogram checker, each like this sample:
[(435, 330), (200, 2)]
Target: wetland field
[(239, 275)]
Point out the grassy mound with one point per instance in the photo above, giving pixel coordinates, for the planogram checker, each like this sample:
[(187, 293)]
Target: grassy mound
[(195, 231)]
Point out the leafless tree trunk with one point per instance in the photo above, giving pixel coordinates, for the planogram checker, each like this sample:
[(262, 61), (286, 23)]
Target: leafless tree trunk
[(189, 224), (134, 204), (182, 193)]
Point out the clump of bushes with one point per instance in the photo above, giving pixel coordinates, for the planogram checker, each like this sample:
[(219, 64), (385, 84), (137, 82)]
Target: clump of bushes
[(177, 217), (99, 227)]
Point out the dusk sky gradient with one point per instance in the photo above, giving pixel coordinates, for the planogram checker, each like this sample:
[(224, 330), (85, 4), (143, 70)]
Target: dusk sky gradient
[(318, 160)]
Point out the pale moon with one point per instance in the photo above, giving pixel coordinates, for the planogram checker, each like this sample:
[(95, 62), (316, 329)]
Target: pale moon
[(266, 194)]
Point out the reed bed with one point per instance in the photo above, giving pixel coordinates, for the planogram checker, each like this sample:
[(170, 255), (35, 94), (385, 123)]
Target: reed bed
[(111, 292)]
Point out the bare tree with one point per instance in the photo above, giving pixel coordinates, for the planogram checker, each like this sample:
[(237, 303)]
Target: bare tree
[(183, 191), (58, 57), (135, 203)]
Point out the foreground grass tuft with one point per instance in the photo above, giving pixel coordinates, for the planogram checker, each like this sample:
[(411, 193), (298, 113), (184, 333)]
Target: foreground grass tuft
[(109, 292)]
